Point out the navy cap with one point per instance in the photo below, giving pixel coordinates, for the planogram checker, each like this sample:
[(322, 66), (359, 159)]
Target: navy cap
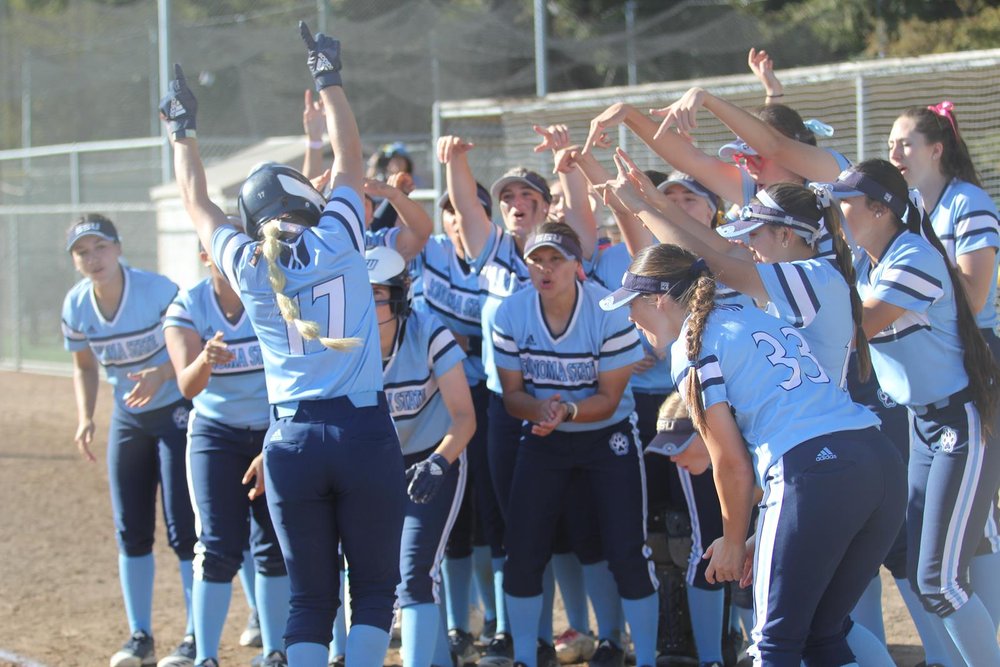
[(525, 176), (92, 225), (481, 194), (673, 436), (852, 183), (765, 210), (567, 245), (687, 182)]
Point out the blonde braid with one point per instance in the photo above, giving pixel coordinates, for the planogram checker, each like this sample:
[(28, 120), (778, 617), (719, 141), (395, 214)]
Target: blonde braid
[(700, 300), (289, 308)]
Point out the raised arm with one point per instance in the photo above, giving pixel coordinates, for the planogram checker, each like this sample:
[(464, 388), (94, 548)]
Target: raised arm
[(808, 161), (635, 235), (579, 214), (414, 225), (671, 224), (314, 125), (178, 109), (474, 226), (763, 68), (324, 64), (723, 179)]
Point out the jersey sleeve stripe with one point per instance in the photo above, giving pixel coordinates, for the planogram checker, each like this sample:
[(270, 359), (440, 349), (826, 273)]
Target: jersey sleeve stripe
[(605, 354), (352, 233), (452, 343), (913, 281), (71, 333)]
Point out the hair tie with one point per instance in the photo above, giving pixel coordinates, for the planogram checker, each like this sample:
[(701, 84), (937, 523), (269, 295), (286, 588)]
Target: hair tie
[(824, 194), (946, 109), (698, 268), (819, 127)]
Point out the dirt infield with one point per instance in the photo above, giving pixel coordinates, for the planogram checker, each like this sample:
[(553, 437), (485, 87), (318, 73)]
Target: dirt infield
[(60, 603)]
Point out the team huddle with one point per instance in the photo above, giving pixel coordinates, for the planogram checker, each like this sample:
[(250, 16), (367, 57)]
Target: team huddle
[(790, 355)]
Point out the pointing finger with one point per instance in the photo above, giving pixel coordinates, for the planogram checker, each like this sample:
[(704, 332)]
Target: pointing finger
[(306, 35)]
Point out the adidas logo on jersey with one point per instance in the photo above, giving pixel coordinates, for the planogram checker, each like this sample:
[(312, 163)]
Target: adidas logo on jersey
[(530, 341), (825, 455), (176, 108), (276, 435)]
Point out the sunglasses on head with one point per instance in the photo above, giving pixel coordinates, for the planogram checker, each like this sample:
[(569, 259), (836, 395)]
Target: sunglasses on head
[(745, 159)]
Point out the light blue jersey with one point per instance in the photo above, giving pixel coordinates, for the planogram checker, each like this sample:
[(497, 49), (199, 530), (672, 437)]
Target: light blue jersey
[(813, 296), (780, 397), (326, 274), (501, 272), (611, 265), (917, 358), (965, 219), (236, 394), (131, 340), (450, 288), (423, 351), (568, 364)]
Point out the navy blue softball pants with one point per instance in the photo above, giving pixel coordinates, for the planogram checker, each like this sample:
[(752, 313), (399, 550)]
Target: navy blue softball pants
[(953, 476), (608, 464), (334, 473), (218, 456), (831, 509), (144, 450)]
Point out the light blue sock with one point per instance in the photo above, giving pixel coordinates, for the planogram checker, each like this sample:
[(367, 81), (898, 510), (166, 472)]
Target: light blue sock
[(419, 636), (938, 646), (457, 575), (867, 648), (273, 594), (984, 574), (306, 654), (366, 646), (136, 575), (482, 572), (603, 592), (503, 625), (868, 610), (338, 645), (971, 628), (569, 578), (524, 613), (548, 604), (642, 615), (210, 601), (707, 608), (442, 652), (187, 582), (247, 579)]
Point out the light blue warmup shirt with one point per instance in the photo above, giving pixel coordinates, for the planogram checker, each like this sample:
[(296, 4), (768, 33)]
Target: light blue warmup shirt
[(917, 358), (779, 398), (236, 394), (423, 351), (568, 363), (965, 219), (326, 274), (131, 340)]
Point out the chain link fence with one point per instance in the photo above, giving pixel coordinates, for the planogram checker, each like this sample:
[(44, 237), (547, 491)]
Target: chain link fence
[(43, 188)]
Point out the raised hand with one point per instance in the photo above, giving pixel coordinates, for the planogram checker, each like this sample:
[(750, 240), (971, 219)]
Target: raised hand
[(554, 137), (450, 146), (313, 118), (611, 117), (683, 113), (763, 68), (178, 108), (324, 57), (216, 351), (566, 159)]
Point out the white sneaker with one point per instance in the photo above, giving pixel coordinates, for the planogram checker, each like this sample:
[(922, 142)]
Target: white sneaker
[(573, 646)]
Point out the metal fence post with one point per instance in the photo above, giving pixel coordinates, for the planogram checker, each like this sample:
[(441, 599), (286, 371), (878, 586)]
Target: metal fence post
[(859, 115)]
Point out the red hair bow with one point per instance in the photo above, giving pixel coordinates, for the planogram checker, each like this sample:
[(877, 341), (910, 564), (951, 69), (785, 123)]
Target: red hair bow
[(946, 110)]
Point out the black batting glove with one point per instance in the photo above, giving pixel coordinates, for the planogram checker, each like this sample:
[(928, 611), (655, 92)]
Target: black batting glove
[(324, 57), (179, 106)]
